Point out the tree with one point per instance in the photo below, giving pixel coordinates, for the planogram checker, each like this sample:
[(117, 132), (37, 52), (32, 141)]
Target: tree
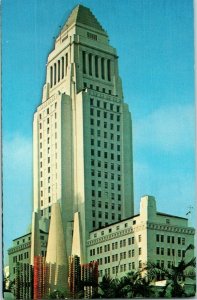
[(175, 276), (130, 286)]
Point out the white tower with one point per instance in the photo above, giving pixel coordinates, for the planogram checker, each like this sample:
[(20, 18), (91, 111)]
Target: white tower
[(82, 131)]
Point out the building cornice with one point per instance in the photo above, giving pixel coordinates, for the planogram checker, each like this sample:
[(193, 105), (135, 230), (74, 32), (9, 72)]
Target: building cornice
[(140, 227), (117, 234), (171, 228), (23, 246)]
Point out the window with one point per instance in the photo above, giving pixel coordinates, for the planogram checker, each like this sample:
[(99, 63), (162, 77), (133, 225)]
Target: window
[(183, 241), (96, 66), (62, 67), (84, 61), (55, 73), (179, 240), (157, 250), (140, 251), (58, 70), (157, 237), (102, 68), (91, 101), (51, 76), (108, 70), (92, 131), (140, 263), (90, 63)]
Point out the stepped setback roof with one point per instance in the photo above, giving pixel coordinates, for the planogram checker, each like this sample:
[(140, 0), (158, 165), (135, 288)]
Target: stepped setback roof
[(83, 15)]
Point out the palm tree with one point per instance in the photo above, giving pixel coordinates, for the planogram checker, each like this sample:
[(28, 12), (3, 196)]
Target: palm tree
[(129, 286), (105, 288), (175, 276)]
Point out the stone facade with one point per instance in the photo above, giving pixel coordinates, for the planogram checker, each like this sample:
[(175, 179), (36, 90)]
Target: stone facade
[(82, 132), (147, 237)]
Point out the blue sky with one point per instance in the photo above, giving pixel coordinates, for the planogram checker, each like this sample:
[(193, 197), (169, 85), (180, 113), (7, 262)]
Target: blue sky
[(154, 41)]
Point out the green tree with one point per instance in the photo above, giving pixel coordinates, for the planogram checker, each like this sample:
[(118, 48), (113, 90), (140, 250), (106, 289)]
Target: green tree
[(175, 276), (130, 286)]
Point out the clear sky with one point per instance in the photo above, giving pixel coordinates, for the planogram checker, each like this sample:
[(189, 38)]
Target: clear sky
[(154, 41)]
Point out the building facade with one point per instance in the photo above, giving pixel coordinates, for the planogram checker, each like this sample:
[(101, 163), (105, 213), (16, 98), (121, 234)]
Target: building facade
[(147, 237), (83, 174), (82, 142), (20, 252)]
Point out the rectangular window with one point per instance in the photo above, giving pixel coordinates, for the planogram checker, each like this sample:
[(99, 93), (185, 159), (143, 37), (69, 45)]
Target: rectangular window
[(140, 263), (62, 67), (66, 62), (84, 62), (55, 70), (90, 63), (58, 70), (96, 66), (108, 70), (51, 76), (102, 68)]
